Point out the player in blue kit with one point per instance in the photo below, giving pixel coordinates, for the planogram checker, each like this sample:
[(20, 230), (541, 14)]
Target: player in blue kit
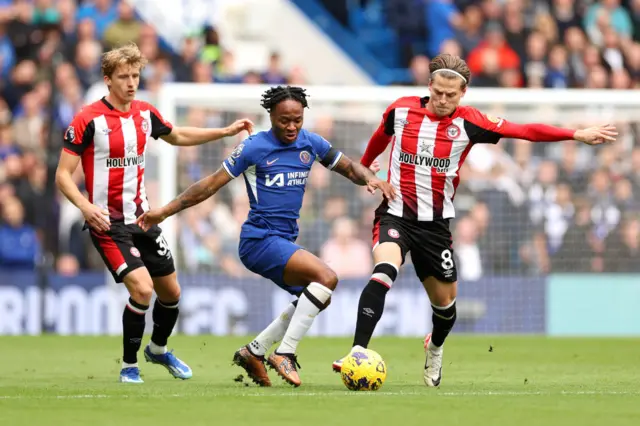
[(275, 166)]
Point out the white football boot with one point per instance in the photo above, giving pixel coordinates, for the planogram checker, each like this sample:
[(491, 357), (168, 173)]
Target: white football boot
[(433, 363)]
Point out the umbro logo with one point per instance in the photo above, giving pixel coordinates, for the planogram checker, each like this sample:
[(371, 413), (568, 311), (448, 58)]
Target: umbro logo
[(106, 131)]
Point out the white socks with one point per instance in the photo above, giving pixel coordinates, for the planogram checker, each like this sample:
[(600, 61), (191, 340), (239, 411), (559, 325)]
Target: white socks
[(157, 350), (312, 300), (273, 333), (433, 348)]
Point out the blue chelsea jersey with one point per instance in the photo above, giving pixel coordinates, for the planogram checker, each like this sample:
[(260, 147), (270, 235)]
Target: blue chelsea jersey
[(276, 177)]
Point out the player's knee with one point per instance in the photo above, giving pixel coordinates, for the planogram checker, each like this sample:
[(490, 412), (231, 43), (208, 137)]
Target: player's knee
[(328, 278), (140, 289), (175, 293), (167, 288), (141, 294), (171, 294), (443, 299)]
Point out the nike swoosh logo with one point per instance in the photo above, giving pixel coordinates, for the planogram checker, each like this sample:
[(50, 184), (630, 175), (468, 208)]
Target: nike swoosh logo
[(272, 161), (437, 381)]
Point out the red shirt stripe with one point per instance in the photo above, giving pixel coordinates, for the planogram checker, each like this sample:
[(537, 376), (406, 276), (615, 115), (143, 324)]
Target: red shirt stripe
[(96, 134)]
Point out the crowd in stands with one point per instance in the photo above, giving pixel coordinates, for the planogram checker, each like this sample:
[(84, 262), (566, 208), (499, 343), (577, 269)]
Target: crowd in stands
[(514, 43), (523, 208)]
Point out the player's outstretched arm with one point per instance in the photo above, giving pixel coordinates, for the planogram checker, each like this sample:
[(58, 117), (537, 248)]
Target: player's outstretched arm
[(361, 175), (195, 194), (490, 130), (96, 217), (189, 136), (536, 132), (596, 135)]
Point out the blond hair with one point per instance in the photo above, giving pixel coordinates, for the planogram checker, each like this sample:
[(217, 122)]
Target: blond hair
[(129, 54), (450, 66)]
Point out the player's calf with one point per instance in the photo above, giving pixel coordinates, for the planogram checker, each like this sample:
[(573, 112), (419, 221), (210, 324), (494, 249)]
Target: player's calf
[(372, 299), (314, 299), (274, 331), (165, 316), (140, 287), (165, 310), (444, 318), (133, 323), (371, 306)]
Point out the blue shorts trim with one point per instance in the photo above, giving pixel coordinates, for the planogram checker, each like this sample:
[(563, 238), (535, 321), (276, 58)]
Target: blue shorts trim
[(268, 257)]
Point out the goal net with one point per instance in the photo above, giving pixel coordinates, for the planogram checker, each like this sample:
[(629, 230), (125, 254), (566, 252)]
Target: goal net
[(525, 211)]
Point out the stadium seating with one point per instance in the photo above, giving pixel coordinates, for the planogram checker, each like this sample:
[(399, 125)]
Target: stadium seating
[(44, 81)]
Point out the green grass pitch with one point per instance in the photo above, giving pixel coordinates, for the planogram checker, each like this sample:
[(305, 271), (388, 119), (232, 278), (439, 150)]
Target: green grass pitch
[(487, 380)]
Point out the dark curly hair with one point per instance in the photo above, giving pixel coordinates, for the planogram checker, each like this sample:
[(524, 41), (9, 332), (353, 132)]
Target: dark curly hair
[(275, 95)]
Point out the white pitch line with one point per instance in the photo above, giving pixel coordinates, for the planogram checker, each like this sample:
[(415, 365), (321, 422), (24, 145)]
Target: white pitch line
[(439, 393), (433, 393)]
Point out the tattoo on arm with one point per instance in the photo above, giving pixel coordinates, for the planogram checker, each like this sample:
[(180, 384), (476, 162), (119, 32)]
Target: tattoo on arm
[(355, 172), (195, 194)]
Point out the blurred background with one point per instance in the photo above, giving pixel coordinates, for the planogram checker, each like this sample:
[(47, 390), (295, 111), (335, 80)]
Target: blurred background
[(541, 229)]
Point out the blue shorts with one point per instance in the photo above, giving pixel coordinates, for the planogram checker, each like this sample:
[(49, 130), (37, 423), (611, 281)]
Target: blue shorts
[(268, 257)]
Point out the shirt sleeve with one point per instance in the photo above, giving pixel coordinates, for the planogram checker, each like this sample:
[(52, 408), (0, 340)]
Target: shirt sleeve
[(381, 137), (239, 160), (159, 126), (325, 153), (79, 135), (482, 128)]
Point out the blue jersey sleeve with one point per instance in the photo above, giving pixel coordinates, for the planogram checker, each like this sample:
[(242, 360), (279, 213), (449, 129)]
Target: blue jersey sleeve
[(325, 153), (240, 160)]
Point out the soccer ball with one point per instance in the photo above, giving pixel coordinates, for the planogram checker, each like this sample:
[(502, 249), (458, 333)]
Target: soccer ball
[(363, 370)]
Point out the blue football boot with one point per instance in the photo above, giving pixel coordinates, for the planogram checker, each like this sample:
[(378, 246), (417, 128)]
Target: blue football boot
[(168, 360), (130, 375)]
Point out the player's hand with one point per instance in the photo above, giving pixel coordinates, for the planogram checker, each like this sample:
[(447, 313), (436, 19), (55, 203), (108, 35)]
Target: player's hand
[(150, 218), (385, 187), (375, 166), (240, 125), (596, 135), (96, 217)]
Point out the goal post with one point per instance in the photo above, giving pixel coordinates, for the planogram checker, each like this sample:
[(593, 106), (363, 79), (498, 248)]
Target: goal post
[(519, 105), (507, 295)]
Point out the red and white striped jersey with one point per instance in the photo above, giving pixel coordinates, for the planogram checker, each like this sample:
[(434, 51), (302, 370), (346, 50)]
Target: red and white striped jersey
[(112, 146), (427, 153)]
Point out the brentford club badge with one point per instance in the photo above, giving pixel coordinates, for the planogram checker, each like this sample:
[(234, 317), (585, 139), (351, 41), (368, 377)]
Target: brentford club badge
[(134, 252), (305, 157), (453, 131), (393, 233), (145, 126)]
